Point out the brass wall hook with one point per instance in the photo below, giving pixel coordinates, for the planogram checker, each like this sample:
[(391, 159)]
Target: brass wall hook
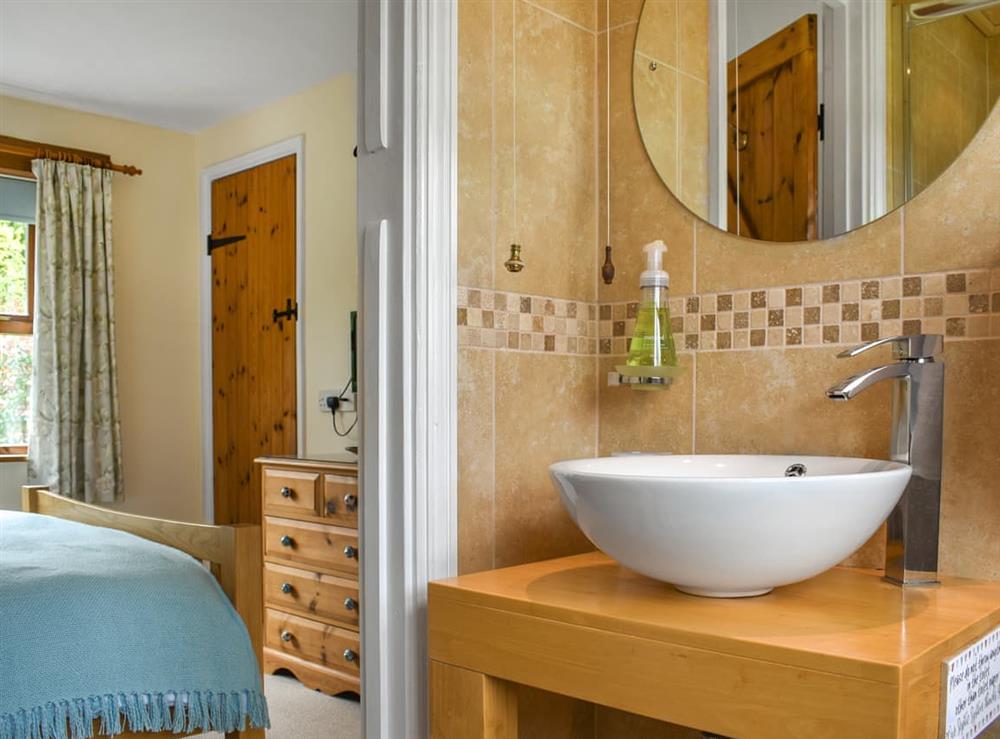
[(608, 270), (514, 263)]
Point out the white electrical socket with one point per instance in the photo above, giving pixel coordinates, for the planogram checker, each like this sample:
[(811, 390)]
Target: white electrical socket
[(346, 402)]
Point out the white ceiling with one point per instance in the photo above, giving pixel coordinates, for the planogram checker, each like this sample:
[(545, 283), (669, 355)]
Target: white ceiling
[(179, 64)]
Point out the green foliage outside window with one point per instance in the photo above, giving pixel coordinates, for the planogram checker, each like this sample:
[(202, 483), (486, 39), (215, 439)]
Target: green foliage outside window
[(15, 349)]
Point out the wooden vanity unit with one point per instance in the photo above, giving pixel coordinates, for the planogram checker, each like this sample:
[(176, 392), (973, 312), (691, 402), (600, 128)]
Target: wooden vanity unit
[(311, 552), (844, 654)]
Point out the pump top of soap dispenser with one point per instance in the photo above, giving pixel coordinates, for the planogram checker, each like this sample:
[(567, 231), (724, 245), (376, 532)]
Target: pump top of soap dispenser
[(654, 275)]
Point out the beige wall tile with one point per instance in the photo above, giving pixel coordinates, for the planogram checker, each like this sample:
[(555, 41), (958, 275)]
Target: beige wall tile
[(656, 35), (581, 12), (955, 222), (693, 38), (544, 715), (646, 421), (556, 164), (726, 262), (475, 460), (970, 528), (610, 723), (475, 143), (775, 402), (546, 411)]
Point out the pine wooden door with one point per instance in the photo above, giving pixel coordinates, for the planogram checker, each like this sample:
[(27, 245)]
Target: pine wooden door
[(773, 136), (253, 349)]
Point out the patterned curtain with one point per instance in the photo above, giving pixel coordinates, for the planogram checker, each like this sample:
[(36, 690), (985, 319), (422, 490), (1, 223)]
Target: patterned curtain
[(75, 439)]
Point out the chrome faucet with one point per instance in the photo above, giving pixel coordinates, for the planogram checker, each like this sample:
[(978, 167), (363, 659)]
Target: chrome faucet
[(911, 556)]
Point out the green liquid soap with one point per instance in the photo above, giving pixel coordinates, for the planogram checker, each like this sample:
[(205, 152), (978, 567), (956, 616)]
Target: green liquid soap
[(653, 342)]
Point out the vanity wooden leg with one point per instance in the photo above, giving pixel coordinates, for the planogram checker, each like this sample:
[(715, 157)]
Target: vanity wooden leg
[(471, 705)]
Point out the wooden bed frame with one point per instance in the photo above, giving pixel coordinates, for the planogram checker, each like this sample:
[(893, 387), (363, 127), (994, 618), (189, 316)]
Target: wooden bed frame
[(233, 551)]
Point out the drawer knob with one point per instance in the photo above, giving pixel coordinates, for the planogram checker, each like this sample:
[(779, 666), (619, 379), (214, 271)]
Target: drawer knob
[(351, 501), (286, 636), (286, 541), (350, 604), (350, 655), (350, 552), (286, 492), (286, 587), (331, 507)]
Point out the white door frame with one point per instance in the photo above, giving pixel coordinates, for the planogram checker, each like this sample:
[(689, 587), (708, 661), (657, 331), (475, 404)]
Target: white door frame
[(296, 146), (407, 239)]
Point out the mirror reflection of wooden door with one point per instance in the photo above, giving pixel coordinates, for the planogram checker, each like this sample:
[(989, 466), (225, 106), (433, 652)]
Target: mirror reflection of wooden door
[(253, 347), (773, 136)]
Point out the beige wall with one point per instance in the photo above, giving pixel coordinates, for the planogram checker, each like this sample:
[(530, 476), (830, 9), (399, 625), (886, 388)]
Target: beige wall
[(533, 388), (157, 276), (325, 116), (158, 252)]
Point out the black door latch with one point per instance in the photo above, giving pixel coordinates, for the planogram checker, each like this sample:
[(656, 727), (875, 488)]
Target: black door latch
[(224, 241), (290, 311)]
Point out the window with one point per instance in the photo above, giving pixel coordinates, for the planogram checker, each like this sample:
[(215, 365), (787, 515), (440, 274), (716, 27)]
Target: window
[(17, 298)]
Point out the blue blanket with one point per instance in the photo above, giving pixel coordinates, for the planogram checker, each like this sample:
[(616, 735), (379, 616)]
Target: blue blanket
[(100, 625)]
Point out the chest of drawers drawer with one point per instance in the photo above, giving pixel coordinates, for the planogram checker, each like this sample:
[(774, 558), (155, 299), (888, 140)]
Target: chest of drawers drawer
[(311, 593), (339, 500), (313, 544), (317, 642), (289, 491)]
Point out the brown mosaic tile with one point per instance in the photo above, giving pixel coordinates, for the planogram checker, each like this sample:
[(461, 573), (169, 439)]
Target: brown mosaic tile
[(954, 327), (758, 337), (741, 320), (571, 310), (723, 303), (758, 299), (850, 312), (776, 317), (513, 340), (955, 283), (831, 334), (870, 290), (692, 305), (618, 328), (677, 324), (463, 316), (811, 315), (793, 296), (605, 312), (537, 323), (869, 331), (996, 303), (691, 341), (550, 308), (979, 304), (632, 310), (708, 322), (912, 286), (911, 327), (724, 340), (831, 293), (890, 309), (474, 298), (605, 345), (550, 343), (793, 336)]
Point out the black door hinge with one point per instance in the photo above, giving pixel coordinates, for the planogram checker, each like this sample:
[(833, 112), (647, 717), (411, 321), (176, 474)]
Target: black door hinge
[(224, 241), (290, 311), (821, 122)]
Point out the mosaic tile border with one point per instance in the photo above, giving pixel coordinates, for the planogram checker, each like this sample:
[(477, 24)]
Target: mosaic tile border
[(961, 305)]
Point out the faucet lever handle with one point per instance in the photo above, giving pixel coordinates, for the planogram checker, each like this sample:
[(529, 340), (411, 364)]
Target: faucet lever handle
[(917, 346)]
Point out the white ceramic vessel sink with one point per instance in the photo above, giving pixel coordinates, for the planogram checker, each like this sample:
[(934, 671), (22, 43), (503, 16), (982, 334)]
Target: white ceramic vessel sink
[(729, 526)]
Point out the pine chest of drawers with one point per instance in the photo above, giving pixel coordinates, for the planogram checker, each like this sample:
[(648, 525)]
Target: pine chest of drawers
[(311, 551)]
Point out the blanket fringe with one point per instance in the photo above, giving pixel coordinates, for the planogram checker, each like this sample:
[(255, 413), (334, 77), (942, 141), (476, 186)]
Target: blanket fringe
[(201, 711)]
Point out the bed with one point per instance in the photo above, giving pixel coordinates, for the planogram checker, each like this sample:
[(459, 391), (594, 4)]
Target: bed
[(179, 621)]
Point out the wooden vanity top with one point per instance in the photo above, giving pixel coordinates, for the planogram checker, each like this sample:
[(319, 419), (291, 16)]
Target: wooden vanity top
[(847, 621)]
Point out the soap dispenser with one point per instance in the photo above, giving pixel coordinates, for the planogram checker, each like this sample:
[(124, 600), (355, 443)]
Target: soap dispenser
[(652, 357)]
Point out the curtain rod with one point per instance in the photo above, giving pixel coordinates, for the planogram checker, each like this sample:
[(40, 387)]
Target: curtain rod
[(35, 150)]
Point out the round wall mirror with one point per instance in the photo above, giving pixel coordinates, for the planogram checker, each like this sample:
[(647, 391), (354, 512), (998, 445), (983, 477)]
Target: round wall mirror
[(795, 120)]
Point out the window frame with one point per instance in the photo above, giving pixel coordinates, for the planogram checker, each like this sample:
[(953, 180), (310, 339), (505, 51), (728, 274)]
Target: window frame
[(21, 325)]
